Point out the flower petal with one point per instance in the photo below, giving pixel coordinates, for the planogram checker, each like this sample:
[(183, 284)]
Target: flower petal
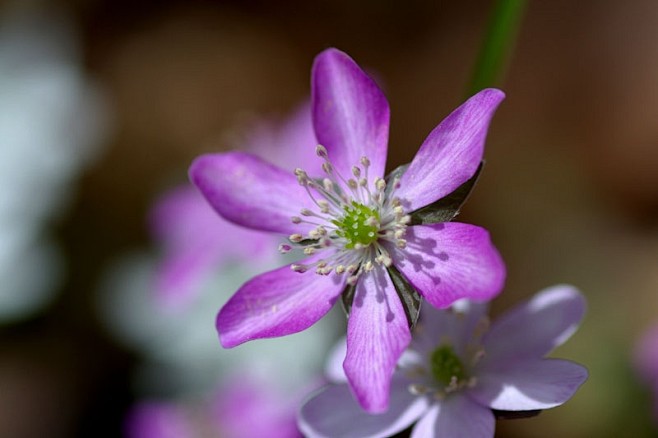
[(333, 412), (529, 385), (250, 192), (277, 303), (456, 416), (377, 334), (450, 155), (534, 328), (449, 261), (350, 113)]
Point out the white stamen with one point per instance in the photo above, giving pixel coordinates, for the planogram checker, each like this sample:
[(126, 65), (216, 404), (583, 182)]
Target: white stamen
[(353, 220)]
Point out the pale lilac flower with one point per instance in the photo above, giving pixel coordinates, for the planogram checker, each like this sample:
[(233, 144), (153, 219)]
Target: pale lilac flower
[(646, 362), (457, 371), (196, 241), (362, 234), (243, 408)]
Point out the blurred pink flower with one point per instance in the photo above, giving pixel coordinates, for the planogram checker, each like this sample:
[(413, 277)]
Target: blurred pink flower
[(243, 408), (646, 362), (196, 241)]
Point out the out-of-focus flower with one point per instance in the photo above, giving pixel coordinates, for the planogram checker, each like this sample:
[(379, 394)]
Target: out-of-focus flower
[(243, 408), (195, 240), (646, 362), (165, 307), (457, 371), (52, 120), (359, 230)]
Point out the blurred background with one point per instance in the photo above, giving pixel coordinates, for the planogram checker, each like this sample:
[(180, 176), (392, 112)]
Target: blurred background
[(103, 105)]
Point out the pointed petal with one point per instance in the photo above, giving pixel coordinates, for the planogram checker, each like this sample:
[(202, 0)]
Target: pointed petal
[(333, 412), (456, 416), (449, 261), (534, 328), (530, 385), (377, 334), (451, 154), (277, 303), (350, 113), (251, 192)]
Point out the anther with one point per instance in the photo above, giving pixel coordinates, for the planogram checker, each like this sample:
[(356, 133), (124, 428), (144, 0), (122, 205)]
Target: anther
[(321, 151), (328, 185), (417, 389), (296, 238), (284, 248), (324, 206), (380, 184), (365, 162), (326, 166), (352, 183), (356, 171), (309, 250), (296, 220), (306, 212), (298, 268)]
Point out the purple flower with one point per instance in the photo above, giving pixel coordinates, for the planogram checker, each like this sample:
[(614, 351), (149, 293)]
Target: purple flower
[(456, 371), (244, 408), (646, 362), (357, 228), (196, 242)]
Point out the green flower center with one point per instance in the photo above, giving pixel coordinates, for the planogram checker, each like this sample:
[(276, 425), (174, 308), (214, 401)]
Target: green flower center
[(359, 225), (446, 365)]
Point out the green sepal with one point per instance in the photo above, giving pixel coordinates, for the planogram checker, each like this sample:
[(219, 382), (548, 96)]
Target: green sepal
[(347, 298), (409, 296), (446, 208)]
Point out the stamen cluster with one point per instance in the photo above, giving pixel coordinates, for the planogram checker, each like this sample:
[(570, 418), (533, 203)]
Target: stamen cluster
[(446, 371), (353, 220)]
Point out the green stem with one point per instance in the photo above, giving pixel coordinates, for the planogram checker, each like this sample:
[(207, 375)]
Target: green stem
[(497, 45)]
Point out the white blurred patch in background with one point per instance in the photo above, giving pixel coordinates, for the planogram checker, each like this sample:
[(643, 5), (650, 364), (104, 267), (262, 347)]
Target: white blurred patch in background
[(53, 121)]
